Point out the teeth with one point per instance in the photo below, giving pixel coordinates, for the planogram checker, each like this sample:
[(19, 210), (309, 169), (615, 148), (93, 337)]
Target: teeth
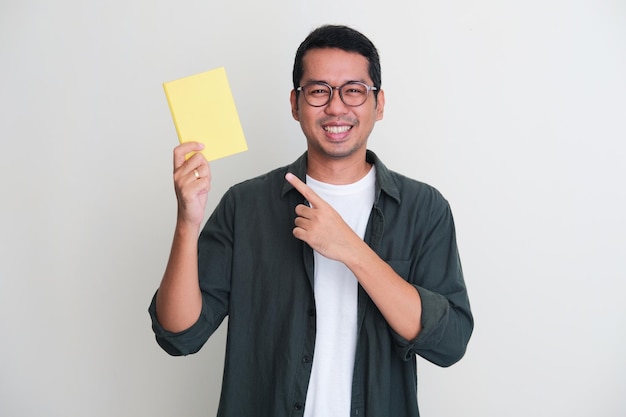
[(337, 129)]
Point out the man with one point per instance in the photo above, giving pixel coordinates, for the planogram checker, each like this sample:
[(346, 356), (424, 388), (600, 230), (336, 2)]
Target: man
[(334, 271)]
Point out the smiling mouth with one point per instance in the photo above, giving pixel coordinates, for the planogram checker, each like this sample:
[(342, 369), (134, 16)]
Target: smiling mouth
[(337, 129)]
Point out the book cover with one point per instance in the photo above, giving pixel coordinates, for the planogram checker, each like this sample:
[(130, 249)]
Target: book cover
[(203, 110)]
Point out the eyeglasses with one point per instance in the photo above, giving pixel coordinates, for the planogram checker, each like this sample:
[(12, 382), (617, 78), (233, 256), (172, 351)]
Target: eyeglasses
[(318, 94)]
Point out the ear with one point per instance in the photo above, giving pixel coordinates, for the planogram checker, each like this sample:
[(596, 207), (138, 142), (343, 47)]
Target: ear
[(294, 105), (380, 105)]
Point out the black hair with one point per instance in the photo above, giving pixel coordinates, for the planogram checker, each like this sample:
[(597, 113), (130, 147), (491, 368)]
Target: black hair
[(344, 38)]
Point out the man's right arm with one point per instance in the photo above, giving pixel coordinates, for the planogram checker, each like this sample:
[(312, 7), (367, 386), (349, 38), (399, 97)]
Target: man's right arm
[(178, 300)]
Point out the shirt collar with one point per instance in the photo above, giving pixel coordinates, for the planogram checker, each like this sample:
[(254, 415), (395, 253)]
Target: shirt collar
[(384, 179)]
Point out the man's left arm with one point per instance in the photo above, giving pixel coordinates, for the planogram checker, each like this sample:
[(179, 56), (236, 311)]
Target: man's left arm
[(324, 230), (426, 321), (447, 318)]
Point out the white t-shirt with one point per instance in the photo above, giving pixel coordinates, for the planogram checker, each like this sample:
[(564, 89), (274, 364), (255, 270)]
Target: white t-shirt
[(336, 288)]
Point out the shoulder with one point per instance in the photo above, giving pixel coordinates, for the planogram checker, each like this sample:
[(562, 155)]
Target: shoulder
[(407, 191), (264, 186), (402, 188), (268, 179), (419, 203), (272, 183), (411, 188)]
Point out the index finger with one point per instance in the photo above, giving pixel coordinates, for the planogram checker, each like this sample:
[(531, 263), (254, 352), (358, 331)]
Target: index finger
[(304, 189), (184, 149)]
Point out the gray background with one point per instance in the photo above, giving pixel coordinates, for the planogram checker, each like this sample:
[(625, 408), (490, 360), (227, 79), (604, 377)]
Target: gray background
[(514, 110)]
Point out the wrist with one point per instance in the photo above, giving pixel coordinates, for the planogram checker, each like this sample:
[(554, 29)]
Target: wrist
[(186, 229)]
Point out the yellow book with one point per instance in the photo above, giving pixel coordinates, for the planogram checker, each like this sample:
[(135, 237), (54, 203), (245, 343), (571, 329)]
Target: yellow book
[(203, 110)]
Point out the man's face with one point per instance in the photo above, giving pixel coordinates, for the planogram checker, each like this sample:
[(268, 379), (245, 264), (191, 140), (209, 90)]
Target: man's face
[(336, 130)]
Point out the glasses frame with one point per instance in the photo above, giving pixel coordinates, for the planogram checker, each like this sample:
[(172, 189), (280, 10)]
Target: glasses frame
[(368, 88)]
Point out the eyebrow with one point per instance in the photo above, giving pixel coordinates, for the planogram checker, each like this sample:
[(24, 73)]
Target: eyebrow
[(311, 81)]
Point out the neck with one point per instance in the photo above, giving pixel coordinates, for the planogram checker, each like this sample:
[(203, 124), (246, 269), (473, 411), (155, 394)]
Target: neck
[(337, 171)]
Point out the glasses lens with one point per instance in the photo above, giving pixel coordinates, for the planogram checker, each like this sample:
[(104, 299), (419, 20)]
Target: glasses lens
[(354, 94), (316, 94), (319, 94)]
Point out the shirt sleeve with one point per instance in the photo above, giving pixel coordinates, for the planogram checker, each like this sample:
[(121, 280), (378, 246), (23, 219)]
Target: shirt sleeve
[(214, 269), (447, 321), (188, 341)]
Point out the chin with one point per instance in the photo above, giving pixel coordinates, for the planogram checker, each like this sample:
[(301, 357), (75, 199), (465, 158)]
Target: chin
[(336, 150), (340, 153)]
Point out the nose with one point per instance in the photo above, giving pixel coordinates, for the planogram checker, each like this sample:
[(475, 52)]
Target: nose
[(336, 104)]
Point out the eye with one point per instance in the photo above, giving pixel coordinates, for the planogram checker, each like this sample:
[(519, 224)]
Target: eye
[(354, 89), (317, 90)]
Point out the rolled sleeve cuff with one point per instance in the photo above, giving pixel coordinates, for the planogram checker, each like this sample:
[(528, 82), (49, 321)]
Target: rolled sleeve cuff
[(435, 309), (187, 342)]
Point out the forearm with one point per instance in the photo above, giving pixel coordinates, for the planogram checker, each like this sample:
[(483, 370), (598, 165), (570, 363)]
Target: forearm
[(179, 301), (397, 300)]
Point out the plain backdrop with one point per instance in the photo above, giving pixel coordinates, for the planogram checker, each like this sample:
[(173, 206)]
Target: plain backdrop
[(515, 111)]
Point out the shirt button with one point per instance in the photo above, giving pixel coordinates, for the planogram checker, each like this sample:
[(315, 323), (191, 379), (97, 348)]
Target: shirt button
[(306, 359), (298, 407)]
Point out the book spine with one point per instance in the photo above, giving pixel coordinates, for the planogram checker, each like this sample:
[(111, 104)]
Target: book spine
[(169, 104)]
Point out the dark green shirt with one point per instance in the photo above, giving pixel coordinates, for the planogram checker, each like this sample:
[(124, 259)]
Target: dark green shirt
[(253, 270)]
